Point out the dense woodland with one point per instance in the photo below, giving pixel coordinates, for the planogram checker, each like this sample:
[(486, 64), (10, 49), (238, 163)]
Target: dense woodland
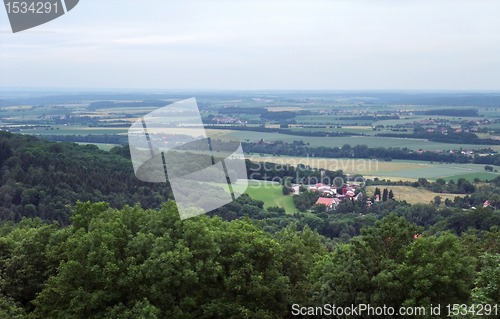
[(45, 179), (81, 237), (135, 263), (452, 112)]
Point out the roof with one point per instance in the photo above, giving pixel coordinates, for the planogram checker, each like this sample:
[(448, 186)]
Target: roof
[(325, 201)]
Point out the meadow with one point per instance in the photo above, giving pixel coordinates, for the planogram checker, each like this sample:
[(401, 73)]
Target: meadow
[(394, 170), (270, 193), (410, 194), (370, 141)]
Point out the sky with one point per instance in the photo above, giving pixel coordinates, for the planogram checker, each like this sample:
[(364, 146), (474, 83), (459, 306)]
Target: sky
[(255, 45)]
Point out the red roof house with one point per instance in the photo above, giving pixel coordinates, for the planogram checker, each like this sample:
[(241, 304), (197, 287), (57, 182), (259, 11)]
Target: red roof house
[(325, 201), (330, 203)]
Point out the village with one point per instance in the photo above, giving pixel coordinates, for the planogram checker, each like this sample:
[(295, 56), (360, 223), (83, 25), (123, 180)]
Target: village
[(331, 196)]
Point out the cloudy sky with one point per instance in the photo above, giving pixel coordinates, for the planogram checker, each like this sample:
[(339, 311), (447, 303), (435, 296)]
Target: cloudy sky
[(233, 44)]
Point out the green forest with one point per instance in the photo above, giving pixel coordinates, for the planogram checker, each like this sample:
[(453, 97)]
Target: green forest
[(136, 263), (81, 237)]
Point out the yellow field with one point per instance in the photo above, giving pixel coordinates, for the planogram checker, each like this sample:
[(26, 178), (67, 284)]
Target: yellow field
[(411, 194), (349, 166), (391, 178), (485, 135)]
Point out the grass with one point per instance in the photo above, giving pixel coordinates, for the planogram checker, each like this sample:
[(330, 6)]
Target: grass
[(370, 141), (76, 130), (347, 165), (411, 194), (270, 193), (395, 170), (470, 177), (85, 130)]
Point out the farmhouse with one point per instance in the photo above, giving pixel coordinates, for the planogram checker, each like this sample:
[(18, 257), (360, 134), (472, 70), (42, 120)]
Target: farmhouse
[(330, 203)]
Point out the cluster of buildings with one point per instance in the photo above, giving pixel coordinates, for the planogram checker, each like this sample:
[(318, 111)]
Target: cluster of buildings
[(226, 119), (332, 196), (462, 151), (444, 129)]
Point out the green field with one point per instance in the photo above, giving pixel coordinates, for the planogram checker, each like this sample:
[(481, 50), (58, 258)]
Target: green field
[(446, 171), (413, 144), (76, 130), (394, 170), (471, 176), (347, 165), (270, 193)]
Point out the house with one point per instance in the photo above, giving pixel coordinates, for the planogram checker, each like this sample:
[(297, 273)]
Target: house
[(312, 188), (350, 193), (353, 185), (323, 188), (486, 204), (328, 202), (468, 152)]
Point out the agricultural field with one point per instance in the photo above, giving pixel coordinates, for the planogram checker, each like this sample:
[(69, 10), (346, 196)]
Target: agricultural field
[(284, 108), (410, 194), (336, 112), (394, 170), (75, 130), (347, 165), (413, 144), (270, 193), (471, 176)]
